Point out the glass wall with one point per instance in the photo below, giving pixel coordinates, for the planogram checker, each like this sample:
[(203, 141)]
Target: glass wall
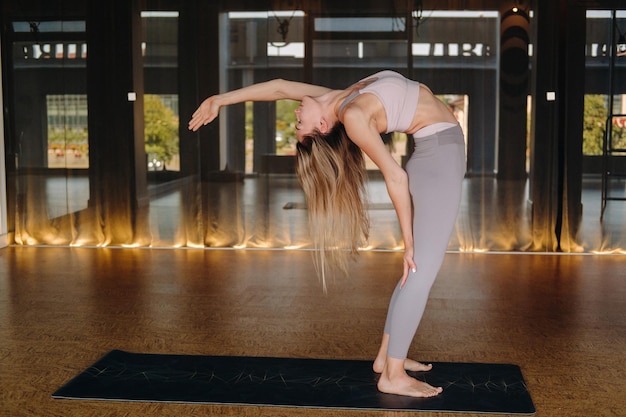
[(161, 122), (261, 45), (50, 127), (604, 132), (430, 46), (346, 49), (258, 139), (253, 199)]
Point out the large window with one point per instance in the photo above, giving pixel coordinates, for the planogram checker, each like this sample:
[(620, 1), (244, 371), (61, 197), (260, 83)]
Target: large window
[(161, 118), (49, 127), (68, 145), (261, 45), (605, 65), (239, 189)]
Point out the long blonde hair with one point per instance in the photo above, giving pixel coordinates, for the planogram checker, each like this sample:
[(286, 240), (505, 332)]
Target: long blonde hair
[(331, 170)]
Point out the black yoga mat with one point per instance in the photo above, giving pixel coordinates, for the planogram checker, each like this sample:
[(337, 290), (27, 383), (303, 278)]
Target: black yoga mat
[(288, 382)]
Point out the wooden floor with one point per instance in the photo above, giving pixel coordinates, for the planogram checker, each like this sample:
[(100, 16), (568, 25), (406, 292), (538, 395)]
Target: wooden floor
[(560, 317)]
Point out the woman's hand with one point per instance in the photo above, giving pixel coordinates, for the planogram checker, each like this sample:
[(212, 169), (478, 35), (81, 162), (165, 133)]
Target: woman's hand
[(205, 114), (409, 264)]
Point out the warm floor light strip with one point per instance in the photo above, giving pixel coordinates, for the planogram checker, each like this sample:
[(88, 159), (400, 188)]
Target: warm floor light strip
[(612, 252)]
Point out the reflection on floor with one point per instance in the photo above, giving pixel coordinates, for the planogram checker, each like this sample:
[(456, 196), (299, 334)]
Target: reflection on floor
[(268, 211), (494, 216)]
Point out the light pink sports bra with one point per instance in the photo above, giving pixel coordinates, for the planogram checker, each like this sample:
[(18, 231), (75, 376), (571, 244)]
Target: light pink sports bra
[(398, 95)]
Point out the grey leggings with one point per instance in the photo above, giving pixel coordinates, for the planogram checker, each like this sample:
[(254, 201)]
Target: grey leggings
[(436, 170)]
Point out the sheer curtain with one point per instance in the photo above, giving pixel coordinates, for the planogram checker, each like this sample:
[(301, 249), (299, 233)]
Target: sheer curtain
[(475, 61)]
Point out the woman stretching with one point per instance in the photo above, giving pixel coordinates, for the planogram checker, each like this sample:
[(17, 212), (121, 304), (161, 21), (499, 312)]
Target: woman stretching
[(334, 128)]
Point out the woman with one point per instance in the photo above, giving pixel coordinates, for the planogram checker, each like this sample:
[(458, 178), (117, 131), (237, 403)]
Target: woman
[(333, 127)]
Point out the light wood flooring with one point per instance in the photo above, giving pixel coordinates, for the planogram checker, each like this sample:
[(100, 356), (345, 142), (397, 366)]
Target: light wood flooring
[(561, 318)]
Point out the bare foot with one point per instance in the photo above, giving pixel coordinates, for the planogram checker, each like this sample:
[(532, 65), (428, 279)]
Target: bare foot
[(409, 365), (394, 380), (415, 366), (407, 386)]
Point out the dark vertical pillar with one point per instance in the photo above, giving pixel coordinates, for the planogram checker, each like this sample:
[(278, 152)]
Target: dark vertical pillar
[(264, 118), (481, 123), (201, 148), (198, 52), (514, 75), (116, 141), (556, 158), (235, 148), (188, 94), (10, 150), (264, 132), (207, 42), (309, 29), (544, 129), (572, 82)]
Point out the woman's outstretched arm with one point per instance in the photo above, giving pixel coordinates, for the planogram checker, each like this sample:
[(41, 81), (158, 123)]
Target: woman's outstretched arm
[(273, 90)]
